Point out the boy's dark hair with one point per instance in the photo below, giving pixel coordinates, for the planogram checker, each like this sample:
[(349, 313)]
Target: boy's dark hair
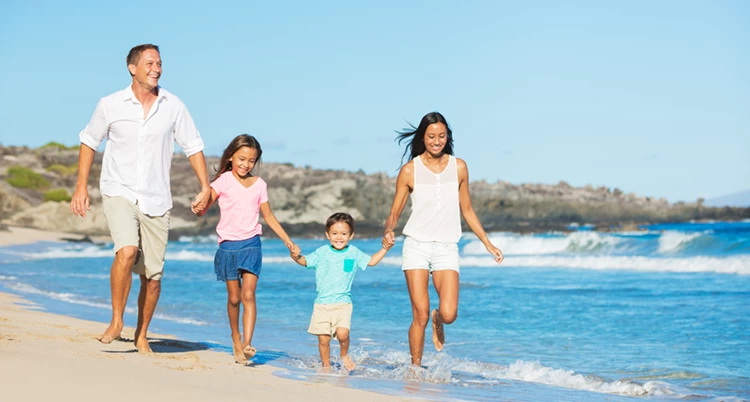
[(134, 56), (340, 217)]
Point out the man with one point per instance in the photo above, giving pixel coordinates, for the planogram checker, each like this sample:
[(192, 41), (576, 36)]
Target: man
[(141, 123)]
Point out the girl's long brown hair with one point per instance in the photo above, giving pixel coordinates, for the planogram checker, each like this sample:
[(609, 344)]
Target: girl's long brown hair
[(242, 140)]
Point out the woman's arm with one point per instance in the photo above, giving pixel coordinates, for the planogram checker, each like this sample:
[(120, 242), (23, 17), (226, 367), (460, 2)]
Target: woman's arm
[(464, 200), (198, 210), (274, 224), (404, 185)]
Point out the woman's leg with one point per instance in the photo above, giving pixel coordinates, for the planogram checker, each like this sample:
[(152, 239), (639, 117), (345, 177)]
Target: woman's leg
[(233, 312), (446, 285), (249, 283), (417, 281)]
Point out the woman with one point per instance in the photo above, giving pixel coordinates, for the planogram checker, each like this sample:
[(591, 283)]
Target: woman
[(439, 186)]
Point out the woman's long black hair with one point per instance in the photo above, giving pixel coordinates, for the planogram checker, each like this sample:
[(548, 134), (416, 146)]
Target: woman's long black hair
[(414, 137)]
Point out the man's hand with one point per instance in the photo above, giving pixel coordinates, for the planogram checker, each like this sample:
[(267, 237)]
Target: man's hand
[(80, 202), (201, 201)]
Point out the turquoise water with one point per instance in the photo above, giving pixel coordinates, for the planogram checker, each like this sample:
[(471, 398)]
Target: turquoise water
[(655, 315)]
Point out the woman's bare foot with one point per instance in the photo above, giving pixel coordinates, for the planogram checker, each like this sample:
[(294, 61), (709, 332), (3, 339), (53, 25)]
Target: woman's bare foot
[(112, 333), (249, 352), (438, 336), (348, 363)]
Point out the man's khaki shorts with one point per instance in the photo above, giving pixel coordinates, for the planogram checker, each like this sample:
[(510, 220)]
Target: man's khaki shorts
[(327, 317), (130, 227)]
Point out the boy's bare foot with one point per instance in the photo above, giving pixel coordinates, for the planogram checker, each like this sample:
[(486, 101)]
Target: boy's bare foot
[(326, 370), (111, 334), (249, 352), (142, 346), (438, 336), (348, 363)]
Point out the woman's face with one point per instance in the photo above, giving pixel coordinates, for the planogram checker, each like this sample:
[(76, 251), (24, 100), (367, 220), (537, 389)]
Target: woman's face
[(435, 138)]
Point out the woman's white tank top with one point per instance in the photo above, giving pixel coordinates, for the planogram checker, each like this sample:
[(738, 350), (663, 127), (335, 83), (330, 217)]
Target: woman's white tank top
[(435, 213)]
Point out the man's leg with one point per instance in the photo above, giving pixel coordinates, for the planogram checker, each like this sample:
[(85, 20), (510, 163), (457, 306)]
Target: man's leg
[(120, 280), (122, 220), (154, 233), (147, 299)]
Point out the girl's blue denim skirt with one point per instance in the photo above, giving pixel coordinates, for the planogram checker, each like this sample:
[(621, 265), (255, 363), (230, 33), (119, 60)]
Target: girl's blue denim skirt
[(235, 256)]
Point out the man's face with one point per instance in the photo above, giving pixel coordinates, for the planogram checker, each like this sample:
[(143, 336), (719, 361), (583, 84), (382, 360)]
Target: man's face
[(148, 70)]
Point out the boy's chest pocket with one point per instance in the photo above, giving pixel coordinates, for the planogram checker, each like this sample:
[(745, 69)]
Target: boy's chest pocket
[(348, 265)]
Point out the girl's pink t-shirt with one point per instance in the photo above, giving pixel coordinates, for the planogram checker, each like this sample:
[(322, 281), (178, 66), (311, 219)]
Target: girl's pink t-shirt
[(239, 207)]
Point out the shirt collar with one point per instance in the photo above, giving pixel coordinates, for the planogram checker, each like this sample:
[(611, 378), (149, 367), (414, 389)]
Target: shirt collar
[(129, 95)]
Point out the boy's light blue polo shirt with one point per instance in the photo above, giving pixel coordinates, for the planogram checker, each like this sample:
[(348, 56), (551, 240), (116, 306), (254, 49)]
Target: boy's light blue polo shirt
[(334, 272)]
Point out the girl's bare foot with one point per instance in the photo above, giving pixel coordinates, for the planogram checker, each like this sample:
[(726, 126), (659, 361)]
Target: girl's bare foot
[(249, 352), (239, 357), (438, 336), (348, 363)]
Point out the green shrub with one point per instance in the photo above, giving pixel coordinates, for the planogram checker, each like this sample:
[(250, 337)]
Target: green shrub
[(54, 144), (22, 177), (62, 170), (57, 195)]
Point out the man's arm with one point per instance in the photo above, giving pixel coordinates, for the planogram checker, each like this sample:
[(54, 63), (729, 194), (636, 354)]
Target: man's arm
[(198, 163), (80, 202)]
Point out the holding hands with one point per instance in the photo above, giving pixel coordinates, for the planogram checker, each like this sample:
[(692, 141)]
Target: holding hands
[(200, 202)]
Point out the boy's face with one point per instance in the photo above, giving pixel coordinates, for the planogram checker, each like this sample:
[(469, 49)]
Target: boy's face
[(339, 234)]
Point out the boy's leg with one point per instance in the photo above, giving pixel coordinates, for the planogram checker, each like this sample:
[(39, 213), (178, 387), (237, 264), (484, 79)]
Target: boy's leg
[(342, 334), (324, 347), (446, 285), (249, 284), (233, 312), (417, 281)]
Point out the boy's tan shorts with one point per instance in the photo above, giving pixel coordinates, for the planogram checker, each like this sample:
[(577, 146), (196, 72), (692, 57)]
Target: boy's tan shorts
[(130, 227), (327, 317)]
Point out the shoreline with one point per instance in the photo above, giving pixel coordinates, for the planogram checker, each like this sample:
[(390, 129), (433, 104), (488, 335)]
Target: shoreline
[(19, 235), (62, 350)]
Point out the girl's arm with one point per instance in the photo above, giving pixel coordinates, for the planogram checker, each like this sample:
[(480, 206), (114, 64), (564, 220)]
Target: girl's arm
[(464, 200), (211, 199), (404, 184), (377, 257), (274, 224)]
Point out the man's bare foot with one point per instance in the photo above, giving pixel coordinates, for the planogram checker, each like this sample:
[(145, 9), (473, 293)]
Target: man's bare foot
[(249, 352), (112, 333), (438, 336), (348, 363), (142, 345)]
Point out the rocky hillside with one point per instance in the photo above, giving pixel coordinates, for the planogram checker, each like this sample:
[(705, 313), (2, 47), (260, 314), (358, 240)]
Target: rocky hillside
[(35, 184)]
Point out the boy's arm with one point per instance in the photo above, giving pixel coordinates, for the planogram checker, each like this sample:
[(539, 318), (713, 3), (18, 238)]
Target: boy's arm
[(377, 257)]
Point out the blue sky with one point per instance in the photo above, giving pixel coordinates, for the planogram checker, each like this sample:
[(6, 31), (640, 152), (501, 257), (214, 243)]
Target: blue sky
[(652, 97)]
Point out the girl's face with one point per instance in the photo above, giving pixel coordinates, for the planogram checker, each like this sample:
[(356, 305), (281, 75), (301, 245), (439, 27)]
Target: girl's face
[(243, 161), (435, 138), (339, 234)]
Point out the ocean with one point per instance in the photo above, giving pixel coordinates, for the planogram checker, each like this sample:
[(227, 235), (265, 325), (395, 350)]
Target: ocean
[(659, 314)]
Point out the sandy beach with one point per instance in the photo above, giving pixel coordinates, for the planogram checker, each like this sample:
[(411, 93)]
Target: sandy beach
[(46, 356)]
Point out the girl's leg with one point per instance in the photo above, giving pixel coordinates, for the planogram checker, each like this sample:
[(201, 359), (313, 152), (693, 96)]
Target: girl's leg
[(249, 283), (417, 281), (233, 311), (446, 285), (342, 334), (324, 347)]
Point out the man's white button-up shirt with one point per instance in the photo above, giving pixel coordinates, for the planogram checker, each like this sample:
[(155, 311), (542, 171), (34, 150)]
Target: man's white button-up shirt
[(138, 152)]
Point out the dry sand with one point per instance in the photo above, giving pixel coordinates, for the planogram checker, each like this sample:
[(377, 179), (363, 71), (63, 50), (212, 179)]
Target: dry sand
[(50, 357)]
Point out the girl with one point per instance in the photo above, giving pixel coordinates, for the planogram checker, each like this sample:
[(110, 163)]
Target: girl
[(439, 186), (242, 197)]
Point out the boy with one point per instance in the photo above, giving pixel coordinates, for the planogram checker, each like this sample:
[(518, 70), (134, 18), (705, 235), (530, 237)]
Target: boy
[(335, 266)]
